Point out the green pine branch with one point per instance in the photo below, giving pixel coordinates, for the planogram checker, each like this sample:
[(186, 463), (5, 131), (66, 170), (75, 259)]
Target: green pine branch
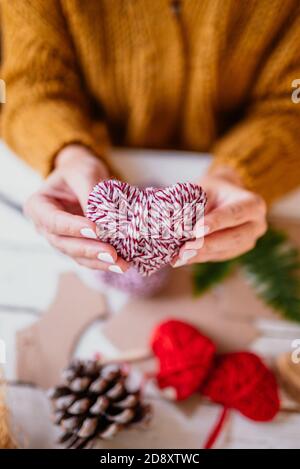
[(272, 267), (209, 274)]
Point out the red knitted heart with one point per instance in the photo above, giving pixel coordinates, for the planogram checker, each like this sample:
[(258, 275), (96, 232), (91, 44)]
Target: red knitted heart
[(185, 357), (146, 226), (240, 380)]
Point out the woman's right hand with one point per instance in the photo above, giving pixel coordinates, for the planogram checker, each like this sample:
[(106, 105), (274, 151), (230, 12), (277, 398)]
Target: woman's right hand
[(57, 210)]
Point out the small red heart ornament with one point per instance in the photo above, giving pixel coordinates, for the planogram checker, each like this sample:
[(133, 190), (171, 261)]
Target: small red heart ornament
[(147, 227), (240, 380), (185, 357)]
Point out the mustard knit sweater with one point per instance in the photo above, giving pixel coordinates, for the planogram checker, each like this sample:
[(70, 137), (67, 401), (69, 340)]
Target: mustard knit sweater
[(203, 75)]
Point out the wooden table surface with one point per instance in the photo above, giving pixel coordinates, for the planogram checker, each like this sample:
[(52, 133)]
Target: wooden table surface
[(29, 272)]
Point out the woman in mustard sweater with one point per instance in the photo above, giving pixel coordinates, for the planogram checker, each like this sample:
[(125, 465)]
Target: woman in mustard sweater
[(209, 75)]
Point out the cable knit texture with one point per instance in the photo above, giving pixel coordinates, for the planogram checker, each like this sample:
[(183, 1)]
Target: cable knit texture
[(211, 75)]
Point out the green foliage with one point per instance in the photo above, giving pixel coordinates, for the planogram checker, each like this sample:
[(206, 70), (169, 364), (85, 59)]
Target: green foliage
[(208, 274), (273, 268)]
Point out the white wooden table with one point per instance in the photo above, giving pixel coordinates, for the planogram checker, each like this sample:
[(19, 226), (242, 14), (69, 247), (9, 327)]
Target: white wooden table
[(29, 270)]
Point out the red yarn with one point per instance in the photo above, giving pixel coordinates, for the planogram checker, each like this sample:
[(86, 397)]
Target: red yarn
[(216, 430), (185, 357), (239, 380)]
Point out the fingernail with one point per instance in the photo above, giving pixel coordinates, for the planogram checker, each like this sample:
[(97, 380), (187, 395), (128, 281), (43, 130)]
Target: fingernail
[(188, 254), (88, 233), (201, 231), (105, 257), (116, 269), (178, 263)]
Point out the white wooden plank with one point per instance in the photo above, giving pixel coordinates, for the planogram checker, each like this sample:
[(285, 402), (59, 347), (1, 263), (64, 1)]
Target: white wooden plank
[(28, 278), (172, 426), (31, 423), (14, 228), (278, 328), (283, 432), (17, 179), (271, 347)]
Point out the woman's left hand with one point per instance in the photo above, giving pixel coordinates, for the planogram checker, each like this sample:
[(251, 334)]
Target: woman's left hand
[(235, 218)]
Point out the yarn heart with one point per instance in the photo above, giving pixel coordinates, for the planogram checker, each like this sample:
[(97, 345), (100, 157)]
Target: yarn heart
[(185, 357), (146, 226), (240, 380)]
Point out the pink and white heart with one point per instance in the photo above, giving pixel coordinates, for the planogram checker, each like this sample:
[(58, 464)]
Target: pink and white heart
[(147, 227)]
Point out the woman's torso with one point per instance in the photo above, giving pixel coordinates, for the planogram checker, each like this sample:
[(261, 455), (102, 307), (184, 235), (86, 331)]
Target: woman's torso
[(167, 73)]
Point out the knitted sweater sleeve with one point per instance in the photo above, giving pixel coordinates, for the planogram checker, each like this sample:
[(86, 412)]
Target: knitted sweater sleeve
[(47, 106), (264, 147)]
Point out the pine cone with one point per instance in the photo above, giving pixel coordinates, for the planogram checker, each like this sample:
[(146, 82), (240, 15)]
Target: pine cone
[(94, 402)]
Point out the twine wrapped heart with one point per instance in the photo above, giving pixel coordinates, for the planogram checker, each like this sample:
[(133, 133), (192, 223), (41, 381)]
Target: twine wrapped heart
[(146, 226)]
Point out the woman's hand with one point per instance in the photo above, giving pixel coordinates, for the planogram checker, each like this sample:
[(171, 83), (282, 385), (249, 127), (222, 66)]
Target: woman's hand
[(57, 210), (235, 218)]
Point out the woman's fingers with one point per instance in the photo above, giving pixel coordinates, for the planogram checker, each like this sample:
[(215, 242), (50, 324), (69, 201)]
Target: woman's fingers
[(57, 210), (69, 234), (234, 220), (236, 213), (229, 242), (119, 267), (232, 238), (89, 253), (84, 248), (48, 216), (91, 263), (224, 244)]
